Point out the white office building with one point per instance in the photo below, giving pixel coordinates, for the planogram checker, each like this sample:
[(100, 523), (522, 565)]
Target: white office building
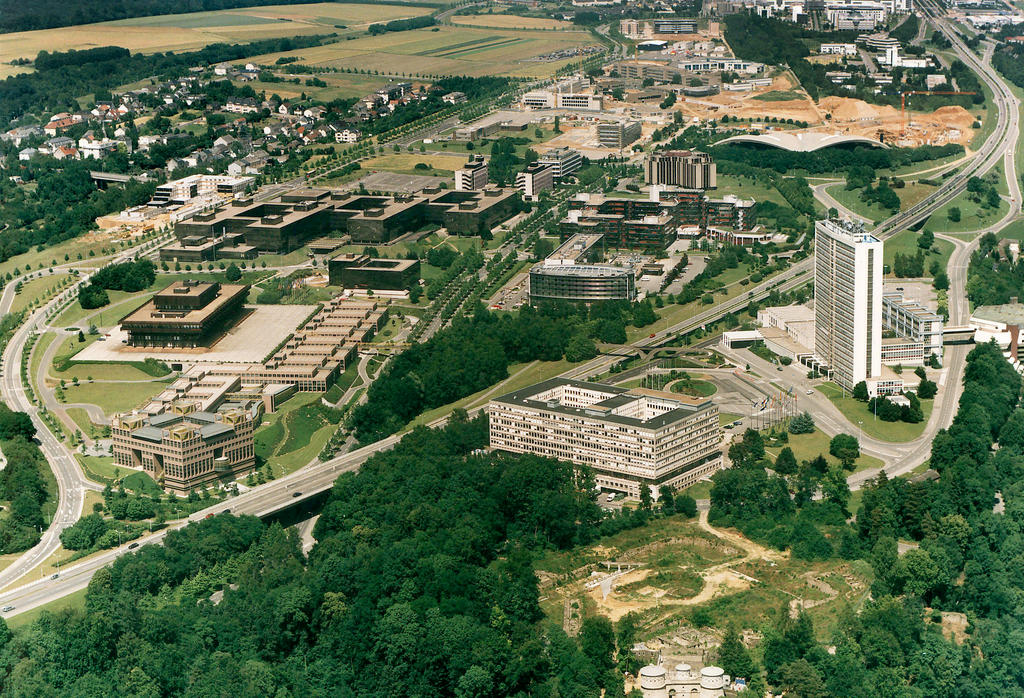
[(848, 302), (535, 179), (473, 175)]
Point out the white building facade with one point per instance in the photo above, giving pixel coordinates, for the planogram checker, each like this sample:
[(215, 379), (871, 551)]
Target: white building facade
[(848, 302)]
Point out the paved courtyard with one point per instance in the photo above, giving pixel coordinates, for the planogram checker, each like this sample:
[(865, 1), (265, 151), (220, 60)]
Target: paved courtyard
[(262, 329)]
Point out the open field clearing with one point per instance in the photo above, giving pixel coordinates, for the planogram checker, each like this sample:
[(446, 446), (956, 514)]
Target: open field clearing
[(448, 50), (192, 31), (407, 162), (511, 22), (339, 86)]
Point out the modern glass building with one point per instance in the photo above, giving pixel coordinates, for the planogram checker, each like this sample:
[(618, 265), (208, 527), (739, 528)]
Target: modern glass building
[(581, 283)]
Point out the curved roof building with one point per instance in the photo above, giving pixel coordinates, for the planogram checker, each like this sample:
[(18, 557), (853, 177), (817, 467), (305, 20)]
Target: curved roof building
[(805, 142)]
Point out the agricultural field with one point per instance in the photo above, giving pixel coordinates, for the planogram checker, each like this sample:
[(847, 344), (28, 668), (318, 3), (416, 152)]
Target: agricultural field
[(444, 50), (195, 30), (502, 21), (339, 86)]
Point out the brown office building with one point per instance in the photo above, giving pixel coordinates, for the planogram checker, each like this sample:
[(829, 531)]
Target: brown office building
[(362, 271), (185, 451), (681, 168), (185, 314)]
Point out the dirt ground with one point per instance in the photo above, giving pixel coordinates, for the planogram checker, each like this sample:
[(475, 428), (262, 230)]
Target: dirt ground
[(950, 124), (718, 579)]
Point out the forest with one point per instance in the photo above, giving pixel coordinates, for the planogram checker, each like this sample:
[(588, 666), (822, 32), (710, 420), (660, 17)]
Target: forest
[(962, 556), (993, 277), (131, 277), (25, 482), (476, 351), (64, 204), (420, 584)]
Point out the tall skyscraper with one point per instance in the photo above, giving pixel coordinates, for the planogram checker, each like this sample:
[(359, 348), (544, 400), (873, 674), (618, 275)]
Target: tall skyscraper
[(848, 301), (681, 168)]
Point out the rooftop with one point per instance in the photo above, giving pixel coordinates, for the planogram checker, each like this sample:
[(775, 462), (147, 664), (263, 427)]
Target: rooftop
[(1007, 313), (149, 313), (637, 407)]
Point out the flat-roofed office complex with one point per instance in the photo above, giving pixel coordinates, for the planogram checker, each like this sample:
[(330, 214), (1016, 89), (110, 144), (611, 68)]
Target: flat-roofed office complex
[(563, 161), (618, 134), (681, 168), (185, 314), (913, 321), (185, 451), (629, 438), (362, 271), (848, 301)]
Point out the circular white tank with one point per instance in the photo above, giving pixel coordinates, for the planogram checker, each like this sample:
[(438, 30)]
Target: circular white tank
[(652, 678), (711, 678)]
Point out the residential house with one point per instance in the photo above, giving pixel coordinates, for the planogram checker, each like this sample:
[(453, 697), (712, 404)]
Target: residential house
[(454, 98), (27, 154), (65, 152), (315, 113), (253, 163), (58, 125), (347, 135), (242, 105), (53, 144), (20, 134)]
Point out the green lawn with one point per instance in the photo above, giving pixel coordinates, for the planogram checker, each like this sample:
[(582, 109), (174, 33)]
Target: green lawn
[(121, 303), (699, 490), (101, 468), (537, 372), (750, 188), (291, 437), (905, 243), (1013, 231), (113, 398), (972, 215), (697, 387), (857, 412), (81, 418), (37, 289), (138, 481), (809, 446), (73, 601), (850, 198)]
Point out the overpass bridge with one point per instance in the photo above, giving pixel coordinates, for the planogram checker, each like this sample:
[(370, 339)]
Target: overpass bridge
[(105, 179)]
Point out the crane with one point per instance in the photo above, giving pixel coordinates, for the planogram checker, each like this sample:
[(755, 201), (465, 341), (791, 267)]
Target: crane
[(903, 103)]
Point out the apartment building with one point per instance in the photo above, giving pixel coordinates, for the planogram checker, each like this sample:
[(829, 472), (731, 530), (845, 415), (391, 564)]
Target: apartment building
[(689, 169), (848, 302), (629, 438), (184, 450), (473, 175)]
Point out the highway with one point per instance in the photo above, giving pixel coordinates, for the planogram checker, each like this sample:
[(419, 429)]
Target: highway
[(279, 493)]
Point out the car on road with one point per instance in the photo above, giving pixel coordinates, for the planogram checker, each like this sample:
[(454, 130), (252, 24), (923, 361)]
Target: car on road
[(55, 576), (810, 392), (133, 546), (7, 609), (296, 494)]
